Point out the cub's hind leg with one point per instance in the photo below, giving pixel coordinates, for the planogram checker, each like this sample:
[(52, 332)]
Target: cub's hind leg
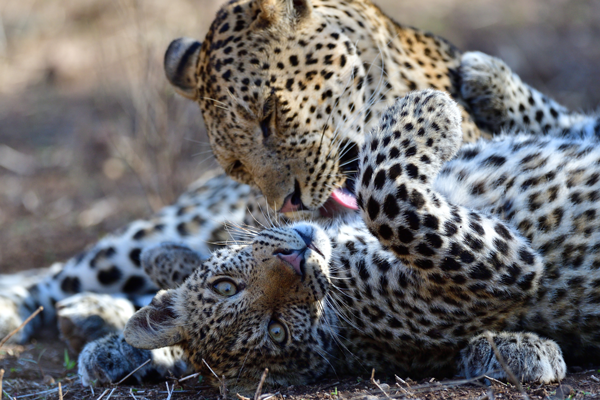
[(113, 265), (530, 357)]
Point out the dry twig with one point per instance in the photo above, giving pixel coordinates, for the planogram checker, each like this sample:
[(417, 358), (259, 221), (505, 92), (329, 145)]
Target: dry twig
[(495, 380), (185, 378), (110, 394), (513, 379), (223, 388), (169, 392), (211, 370), (427, 387), (374, 382), (102, 395), (2, 376), (37, 394), (260, 384), (60, 396), (133, 372), (402, 381), (32, 316)]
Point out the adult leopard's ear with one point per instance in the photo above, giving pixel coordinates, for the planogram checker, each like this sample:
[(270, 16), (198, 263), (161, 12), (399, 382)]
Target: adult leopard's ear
[(155, 325), (283, 12), (180, 63)]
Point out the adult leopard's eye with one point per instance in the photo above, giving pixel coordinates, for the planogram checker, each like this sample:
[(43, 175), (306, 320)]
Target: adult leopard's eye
[(237, 164), (225, 287), (265, 126), (277, 331)]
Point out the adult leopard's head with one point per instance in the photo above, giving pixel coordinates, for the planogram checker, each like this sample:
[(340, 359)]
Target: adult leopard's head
[(248, 308), (282, 90)]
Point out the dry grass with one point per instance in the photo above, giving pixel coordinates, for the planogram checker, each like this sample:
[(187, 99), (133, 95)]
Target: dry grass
[(91, 136), (35, 370)]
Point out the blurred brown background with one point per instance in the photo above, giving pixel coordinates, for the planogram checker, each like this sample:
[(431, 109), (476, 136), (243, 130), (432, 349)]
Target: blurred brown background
[(91, 136)]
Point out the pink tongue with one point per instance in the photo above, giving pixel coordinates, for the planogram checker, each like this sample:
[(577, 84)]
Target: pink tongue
[(345, 198)]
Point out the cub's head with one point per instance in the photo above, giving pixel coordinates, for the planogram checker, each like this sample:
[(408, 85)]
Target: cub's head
[(248, 308), (282, 90)]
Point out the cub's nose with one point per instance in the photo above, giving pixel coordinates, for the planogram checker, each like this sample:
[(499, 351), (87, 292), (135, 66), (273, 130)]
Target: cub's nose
[(295, 258)]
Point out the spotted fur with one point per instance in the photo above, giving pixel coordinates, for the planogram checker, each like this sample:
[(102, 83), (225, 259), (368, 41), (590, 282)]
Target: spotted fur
[(352, 62), (113, 264), (499, 236), (501, 100), (288, 90), (306, 75)]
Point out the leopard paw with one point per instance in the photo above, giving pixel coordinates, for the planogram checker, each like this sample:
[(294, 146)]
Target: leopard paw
[(110, 359), (487, 84), (499, 99), (169, 264), (529, 357)]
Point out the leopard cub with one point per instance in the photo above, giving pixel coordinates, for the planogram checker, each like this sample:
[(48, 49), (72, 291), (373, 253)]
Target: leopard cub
[(496, 236)]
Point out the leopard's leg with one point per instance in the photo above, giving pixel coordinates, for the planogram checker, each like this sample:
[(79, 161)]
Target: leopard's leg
[(111, 358), (85, 317), (486, 264), (18, 300), (530, 357), (398, 165), (112, 266), (500, 100)]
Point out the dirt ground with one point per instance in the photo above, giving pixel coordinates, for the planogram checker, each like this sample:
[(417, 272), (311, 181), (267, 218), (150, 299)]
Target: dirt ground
[(91, 137), (33, 371)]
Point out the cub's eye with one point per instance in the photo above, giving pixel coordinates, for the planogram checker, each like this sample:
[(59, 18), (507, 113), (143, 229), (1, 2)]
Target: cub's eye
[(225, 287), (277, 331)]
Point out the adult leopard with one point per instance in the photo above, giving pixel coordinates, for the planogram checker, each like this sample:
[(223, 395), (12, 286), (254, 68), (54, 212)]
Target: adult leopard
[(288, 89)]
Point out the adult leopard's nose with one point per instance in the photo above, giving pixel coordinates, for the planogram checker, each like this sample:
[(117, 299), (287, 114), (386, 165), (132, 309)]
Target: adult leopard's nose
[(293, 201)]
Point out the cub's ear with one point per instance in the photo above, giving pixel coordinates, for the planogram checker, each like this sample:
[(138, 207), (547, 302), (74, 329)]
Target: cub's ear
[(290, 12), (155, 325), (180, 63)]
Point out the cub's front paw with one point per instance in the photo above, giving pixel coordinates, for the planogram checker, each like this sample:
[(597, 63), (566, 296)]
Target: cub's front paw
[(110, 359), (89, 316), (529, 357)]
